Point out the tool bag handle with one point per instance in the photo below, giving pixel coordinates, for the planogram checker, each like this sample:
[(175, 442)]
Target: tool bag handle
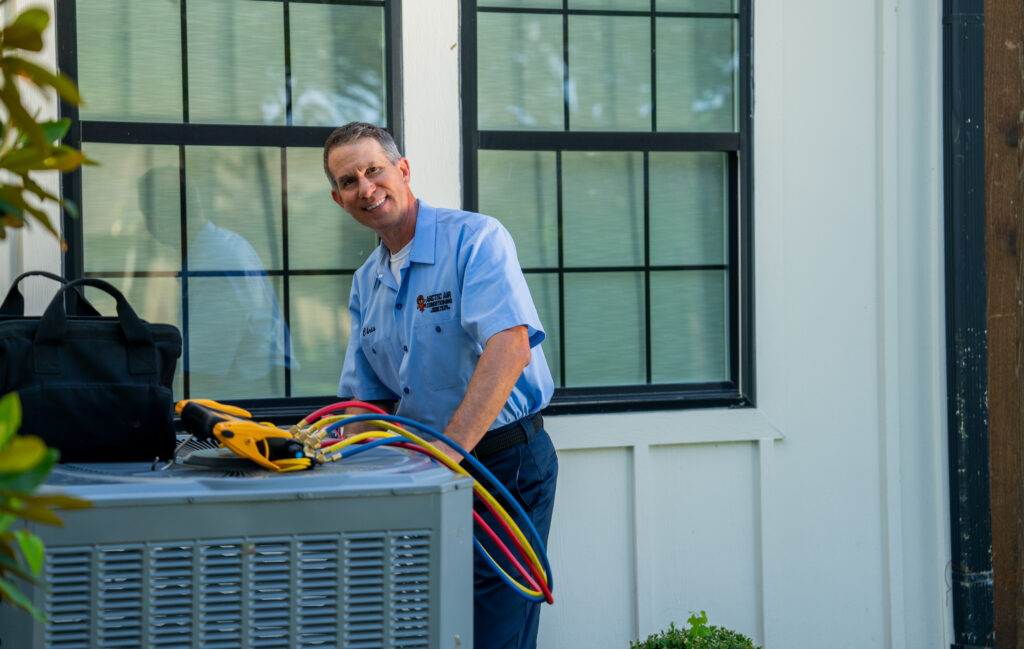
[(74, 302), (142, 356)]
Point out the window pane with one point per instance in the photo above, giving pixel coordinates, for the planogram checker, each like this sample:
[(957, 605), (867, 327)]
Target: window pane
[(320, 330), (129, 60), (710, 6), (236, 62), (603, 209), (131, 210), (604, 329), (518, 189), (519, 72), (697, 67), (621, 5), (155, 299), (236, 337), (609, 73), (689, 326), (337, 64), (688, 208), (544, 290), (234, 195), (321, 235)]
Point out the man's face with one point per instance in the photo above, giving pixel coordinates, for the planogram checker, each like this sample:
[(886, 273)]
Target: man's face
[(374, 190)]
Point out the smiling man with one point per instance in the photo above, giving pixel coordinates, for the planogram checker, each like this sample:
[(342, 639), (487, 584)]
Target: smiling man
[(444, 332)]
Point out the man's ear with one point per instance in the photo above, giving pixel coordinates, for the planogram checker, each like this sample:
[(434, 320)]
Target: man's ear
[(403, 166), (337, 198)]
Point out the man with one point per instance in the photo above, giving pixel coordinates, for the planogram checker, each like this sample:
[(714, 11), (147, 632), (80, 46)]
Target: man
[(444, 332)]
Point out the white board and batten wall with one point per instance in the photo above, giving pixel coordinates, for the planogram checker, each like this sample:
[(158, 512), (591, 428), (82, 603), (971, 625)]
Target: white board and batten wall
[(820, 517)]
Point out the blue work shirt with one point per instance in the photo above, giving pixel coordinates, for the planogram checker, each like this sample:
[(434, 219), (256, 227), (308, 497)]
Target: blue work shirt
[(418, 342)]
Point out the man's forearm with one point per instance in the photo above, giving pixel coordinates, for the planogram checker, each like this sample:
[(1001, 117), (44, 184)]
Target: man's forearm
[(505, 356)]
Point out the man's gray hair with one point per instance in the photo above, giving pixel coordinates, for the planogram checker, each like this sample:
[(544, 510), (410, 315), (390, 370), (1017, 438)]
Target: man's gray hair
[(357, 130)]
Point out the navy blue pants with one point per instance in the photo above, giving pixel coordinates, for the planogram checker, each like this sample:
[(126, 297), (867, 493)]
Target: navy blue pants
[(501, 618)]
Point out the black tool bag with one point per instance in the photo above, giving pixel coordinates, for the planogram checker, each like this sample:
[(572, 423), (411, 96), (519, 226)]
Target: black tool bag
[(96, 388)]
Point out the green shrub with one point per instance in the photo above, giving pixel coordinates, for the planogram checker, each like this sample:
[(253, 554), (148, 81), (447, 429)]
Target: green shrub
[(698, 636)]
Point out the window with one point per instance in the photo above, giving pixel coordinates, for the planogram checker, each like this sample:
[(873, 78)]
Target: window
[(210, 208), (612, 139)]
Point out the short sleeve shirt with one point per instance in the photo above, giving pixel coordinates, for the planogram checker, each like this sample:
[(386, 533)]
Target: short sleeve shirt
[(418, 342)]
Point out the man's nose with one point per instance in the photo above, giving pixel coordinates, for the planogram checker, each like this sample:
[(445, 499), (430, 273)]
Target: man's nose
[(366, 187)]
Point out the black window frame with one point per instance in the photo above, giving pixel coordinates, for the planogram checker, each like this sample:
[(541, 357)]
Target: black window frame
[(739, 390), (287, 408)]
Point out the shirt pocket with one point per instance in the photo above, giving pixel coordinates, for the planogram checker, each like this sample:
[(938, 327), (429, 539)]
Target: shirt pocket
[(377, 353), (438, 355)]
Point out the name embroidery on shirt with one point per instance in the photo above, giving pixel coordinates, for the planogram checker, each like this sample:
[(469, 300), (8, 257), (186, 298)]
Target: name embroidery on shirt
[(435, 302), (368, 330)]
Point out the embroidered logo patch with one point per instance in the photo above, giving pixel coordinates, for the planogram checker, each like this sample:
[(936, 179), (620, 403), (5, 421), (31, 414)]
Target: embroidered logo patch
[(435, 302)]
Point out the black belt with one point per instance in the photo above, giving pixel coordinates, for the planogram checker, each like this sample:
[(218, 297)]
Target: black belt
[(504, 437)]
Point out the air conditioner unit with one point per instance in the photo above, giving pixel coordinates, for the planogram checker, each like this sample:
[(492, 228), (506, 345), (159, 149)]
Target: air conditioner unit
[(374, 551)]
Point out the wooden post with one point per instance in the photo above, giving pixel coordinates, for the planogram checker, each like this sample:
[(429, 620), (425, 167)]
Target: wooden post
[(1004, 243)]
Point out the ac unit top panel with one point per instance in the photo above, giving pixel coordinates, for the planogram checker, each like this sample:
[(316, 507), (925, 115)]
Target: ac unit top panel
[(378, 471)]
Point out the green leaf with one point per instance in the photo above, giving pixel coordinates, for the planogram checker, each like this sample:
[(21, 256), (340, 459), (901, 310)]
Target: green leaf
[(31, 158), (52, 131), (43, 194), (11, 98), (21, 454), (14, 218), (70, 207), (11, 593), (23, 160), (26, 32), (10, 417), (26, 483), (32, 549), (32, 512), (43, 78), (9, 565), (7, 547), (15, 196)]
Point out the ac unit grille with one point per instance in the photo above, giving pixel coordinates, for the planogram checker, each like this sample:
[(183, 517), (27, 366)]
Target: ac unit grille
[(410, 596), (69, 575), (357, 590), (119, 623), (171, 593)]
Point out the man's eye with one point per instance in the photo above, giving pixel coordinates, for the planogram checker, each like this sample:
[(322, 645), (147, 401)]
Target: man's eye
[(372, 170), (346, 182)]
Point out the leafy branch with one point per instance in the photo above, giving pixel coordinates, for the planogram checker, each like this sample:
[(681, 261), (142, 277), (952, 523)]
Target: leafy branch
[(25, 461), (27, 145)]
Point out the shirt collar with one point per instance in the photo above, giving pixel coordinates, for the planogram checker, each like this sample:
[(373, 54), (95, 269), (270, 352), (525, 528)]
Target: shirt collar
[(426, 229), (422, 244)]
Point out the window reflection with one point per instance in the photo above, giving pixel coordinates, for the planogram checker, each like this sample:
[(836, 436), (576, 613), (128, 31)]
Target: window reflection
[(238, 342)]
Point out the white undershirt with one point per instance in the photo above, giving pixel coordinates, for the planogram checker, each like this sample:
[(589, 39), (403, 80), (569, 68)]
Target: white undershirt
[(398, 260)]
